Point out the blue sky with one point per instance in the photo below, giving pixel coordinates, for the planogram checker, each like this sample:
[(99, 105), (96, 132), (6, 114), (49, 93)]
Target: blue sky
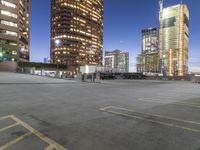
[(123, 22)]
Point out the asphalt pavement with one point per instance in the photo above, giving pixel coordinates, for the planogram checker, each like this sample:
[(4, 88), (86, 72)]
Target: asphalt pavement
[(40, 113)]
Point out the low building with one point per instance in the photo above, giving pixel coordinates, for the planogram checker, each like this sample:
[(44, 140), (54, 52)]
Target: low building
[(118, 60)]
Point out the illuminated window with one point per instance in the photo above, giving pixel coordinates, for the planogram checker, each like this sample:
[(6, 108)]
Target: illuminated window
[(8, 4), (7, 13), (8, 23)]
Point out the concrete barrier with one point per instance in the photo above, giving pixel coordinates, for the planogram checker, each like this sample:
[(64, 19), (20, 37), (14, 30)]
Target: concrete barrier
[(8, 66), (195, 79)]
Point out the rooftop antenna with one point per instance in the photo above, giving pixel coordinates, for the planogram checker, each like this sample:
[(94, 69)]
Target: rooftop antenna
[(161, 4)]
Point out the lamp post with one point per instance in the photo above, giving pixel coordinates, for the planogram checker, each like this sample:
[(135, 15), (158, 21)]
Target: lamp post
[(57, 44)]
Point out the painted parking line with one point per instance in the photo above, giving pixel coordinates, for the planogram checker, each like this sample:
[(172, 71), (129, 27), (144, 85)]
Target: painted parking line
[(15, 141), (8, 127), (4, 117), (171, 118), (189, 104), (163, 120), (52, 145)]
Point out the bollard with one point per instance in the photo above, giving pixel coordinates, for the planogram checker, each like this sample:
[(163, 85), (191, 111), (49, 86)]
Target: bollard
[(85, 77)]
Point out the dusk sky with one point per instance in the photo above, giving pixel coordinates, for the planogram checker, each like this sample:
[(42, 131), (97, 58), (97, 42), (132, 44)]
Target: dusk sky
[(123, 22)]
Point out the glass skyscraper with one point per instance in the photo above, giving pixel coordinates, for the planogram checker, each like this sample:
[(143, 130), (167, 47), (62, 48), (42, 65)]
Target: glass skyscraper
[(148, 60), (174, 38), (77, 32), (150, 40)]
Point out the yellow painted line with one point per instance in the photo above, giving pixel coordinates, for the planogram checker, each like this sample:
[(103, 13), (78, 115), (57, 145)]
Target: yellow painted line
[(38, 134), (5, 117), (8, 127), (50, 147), (153, 121), (14, 141)]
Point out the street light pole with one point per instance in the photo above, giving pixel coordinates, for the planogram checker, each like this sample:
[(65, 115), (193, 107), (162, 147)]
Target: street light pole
[(57, 44)]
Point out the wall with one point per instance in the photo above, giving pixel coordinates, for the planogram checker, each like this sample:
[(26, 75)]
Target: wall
[(8, 66)]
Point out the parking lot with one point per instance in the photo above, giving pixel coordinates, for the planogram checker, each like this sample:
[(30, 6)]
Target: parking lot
[(19, 135), (39, 113)]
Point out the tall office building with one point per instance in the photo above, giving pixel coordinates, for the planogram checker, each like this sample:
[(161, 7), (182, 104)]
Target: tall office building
[(148, 60), (14, 30), (77, 32), (174, 37), (117, 59), (150, 40)]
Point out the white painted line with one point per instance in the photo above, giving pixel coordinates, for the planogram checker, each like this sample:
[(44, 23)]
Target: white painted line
[(155, 115), (159, 122), (195, 105), (151, 120)]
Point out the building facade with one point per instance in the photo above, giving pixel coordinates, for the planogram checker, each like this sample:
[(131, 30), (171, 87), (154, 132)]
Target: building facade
[(174, 38), (14, 30), (148, 63), (150, 40), (77, 32), (118, 60), (47, 60), (148, 60)]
